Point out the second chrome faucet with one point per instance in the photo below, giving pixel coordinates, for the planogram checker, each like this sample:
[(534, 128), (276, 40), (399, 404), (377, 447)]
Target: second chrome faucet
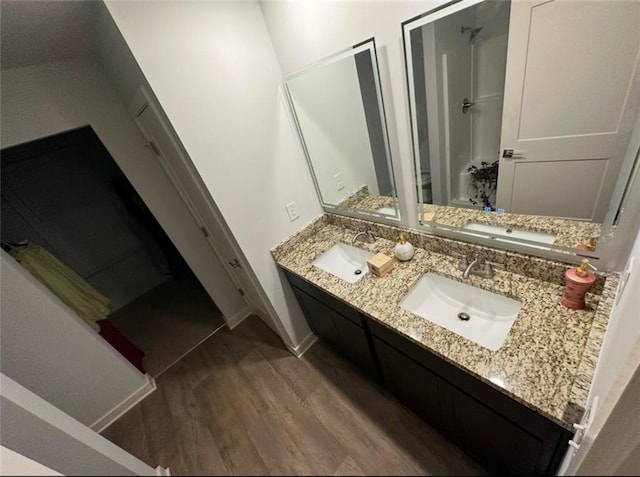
[(474, 265)]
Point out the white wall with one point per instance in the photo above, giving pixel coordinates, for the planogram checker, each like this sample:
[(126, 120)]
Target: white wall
[(46, 99), (331, 115), (40, 432), (13, 463), (218, 80), (304, 32), (619, 358), (53, 353)]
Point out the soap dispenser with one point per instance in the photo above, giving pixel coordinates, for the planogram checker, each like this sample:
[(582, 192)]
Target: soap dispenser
[(577, 282), (403, 249)]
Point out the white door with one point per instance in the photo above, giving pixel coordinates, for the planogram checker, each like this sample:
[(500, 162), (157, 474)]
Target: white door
[(572, 96), (195, 196)]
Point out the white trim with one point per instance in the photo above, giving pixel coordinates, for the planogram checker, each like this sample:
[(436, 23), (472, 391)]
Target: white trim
[(144, 96), (166, 368), (32, 413), (110, 417), (163, 470), (238, 318), (304, 345)]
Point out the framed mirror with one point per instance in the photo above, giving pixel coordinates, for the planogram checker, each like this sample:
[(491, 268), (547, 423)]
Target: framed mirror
[(338, 110), (522, 117)]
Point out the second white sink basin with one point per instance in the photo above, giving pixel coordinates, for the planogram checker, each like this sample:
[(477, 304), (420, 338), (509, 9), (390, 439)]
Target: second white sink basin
[(386, 210), (473, 313), (504, 234), (345, 261)]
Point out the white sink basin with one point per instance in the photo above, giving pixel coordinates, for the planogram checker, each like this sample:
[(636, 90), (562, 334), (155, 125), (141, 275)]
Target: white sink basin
[(345, 261), (441, 301), (386, 210), (504, 234)]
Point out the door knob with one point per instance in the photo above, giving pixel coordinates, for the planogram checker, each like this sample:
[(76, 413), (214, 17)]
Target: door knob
[(512, 154), (466, 105), (152, 146)]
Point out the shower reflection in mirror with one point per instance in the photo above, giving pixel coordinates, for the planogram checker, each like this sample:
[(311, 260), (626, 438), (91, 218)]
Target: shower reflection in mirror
[(458, 72)]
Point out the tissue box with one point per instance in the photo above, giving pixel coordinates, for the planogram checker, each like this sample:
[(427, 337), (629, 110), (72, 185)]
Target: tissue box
[(380, 264)]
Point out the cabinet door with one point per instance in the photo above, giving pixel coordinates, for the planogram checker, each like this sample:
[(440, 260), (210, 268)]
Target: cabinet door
[(495, 442), (412, 383), (355, 345), (319, 317), (346, 337)]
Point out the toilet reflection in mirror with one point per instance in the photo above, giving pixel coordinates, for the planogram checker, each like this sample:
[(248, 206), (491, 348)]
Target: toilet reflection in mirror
[(510, 112), (338, 111)]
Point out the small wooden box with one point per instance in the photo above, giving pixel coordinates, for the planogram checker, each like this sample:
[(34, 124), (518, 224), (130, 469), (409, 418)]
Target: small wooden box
[(380, 264), (429, 216)]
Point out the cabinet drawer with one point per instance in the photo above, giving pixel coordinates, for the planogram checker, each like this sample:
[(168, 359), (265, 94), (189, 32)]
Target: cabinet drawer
[(339, 306)]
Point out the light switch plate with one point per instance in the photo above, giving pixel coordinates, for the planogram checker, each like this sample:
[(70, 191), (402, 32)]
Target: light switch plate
[(339, 181), (292, 210)]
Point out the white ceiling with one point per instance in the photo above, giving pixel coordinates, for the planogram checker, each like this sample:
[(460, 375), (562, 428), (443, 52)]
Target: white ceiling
[(37, 31)]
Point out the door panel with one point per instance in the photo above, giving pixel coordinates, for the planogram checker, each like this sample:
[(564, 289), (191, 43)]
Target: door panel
[(211, 269), (572, 92), (195, 196), (571, 188)]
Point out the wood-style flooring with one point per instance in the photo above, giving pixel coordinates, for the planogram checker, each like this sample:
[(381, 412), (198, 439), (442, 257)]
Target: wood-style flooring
[(168, 321), (240, 403)]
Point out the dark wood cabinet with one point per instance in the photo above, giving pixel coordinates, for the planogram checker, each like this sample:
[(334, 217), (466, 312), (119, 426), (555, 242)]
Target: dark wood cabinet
[(338, 324), (499, 432), (413, 384), (494, 441)]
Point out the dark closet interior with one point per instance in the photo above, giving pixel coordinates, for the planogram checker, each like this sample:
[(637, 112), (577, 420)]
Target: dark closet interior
[(66, 194)]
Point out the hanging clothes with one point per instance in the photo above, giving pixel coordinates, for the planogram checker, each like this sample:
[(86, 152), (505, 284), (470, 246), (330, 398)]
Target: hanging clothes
[(88, 303)]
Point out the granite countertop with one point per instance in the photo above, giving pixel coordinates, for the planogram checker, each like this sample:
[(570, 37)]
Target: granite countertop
[(547, 360), (568, 233)]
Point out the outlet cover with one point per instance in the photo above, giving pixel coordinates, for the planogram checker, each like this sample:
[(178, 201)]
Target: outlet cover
[(292, 210), (339, 181)]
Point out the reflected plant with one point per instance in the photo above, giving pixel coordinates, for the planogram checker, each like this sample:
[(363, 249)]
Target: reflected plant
[(484, 183)]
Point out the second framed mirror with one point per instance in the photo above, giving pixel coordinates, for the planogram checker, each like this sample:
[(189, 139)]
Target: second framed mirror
[(338, 109), (522, 114)]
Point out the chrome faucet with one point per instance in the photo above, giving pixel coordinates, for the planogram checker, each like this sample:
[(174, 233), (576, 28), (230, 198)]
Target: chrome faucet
[(365, 236), (473, 265)]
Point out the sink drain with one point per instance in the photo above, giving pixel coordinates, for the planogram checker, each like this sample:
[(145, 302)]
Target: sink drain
[(358, 272), (464, 316)]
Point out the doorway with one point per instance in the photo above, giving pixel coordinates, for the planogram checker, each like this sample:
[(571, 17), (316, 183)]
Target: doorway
[(66, 194)]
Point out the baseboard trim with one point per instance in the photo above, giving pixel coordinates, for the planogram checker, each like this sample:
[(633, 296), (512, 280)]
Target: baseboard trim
[(110, 417), (304, 345), (163, 471), (238, 318)]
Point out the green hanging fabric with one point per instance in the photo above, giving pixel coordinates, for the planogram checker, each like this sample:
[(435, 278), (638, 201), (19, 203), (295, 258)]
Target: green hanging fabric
[(71, 288)]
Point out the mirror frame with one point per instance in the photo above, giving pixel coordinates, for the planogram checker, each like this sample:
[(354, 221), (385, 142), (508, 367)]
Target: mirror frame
[(486, 238), (366, 45)]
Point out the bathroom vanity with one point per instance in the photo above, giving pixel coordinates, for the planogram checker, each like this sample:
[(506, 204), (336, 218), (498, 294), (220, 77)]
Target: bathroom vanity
[(512, 409)]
